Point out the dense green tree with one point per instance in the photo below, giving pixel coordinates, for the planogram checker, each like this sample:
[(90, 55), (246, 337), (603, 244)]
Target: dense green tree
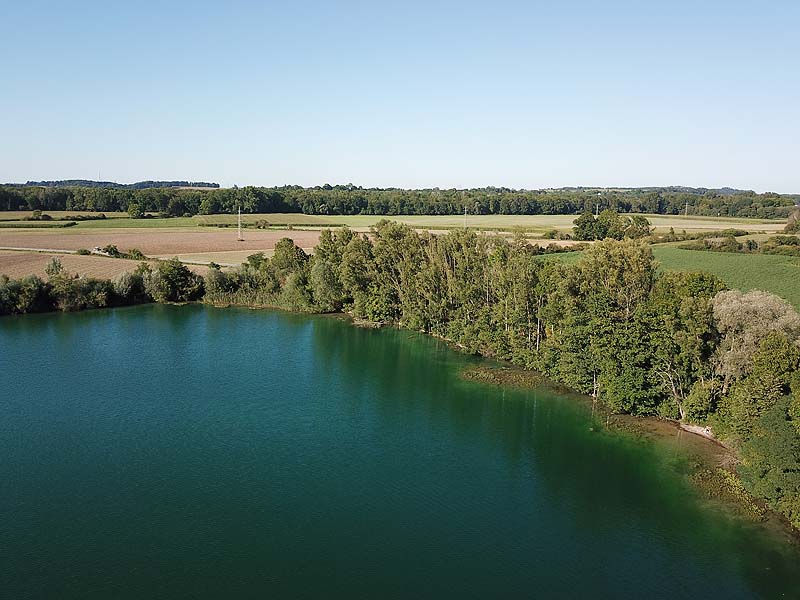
[(610, 224), (287, 259), (774, 366), (357, 274), (329, 294), (771, 460), (27, 295), (588, 228), (129, 288), (682, 336), (135, 211)]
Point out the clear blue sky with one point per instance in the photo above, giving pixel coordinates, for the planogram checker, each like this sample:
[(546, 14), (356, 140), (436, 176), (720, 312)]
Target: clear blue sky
[(411, 94)]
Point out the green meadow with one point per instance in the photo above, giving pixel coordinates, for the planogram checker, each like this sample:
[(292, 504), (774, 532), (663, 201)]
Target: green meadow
[(772, 273)]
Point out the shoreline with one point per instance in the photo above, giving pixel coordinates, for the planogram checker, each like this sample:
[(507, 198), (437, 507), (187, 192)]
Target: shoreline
[(712, 471)]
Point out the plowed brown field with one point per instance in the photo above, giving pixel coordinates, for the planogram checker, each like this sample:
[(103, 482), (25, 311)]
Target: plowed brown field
[(159, 242)]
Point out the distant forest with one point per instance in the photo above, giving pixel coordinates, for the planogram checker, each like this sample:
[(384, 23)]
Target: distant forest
[(175, 200), (139, 185)]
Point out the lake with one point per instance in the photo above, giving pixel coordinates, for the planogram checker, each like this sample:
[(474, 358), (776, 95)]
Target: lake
[(194, 452)]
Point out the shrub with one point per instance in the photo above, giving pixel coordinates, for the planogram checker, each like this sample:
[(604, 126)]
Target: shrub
[(20, 296), (217, 282), (172, 281), (135, 254), (129, 288), (71, 293), (111, 250), (135, 211)]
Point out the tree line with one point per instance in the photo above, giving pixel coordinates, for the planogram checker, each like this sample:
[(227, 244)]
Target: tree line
[(139, 185), (611, 325), (786, 245), (352, 200)]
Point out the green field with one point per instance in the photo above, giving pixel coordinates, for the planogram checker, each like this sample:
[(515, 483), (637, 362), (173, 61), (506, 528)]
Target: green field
[(777, 274), (772, 273), (531, 223)]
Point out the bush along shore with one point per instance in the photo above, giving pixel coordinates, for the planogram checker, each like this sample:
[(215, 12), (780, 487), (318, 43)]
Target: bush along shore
[(168, 281), (672, 345)]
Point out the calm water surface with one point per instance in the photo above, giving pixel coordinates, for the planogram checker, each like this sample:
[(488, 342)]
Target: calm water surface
[(191, 452)]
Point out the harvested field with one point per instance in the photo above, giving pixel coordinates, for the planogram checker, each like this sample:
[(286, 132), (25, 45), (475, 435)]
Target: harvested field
[(21, 264), (559, 243), (161, 243), (531, 223)]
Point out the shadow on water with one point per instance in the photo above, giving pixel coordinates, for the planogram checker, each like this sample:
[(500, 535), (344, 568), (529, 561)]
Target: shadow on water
[(598, 478)]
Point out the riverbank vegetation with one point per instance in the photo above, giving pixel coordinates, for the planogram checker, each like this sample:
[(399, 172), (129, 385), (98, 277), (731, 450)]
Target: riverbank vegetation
[(672, 344), (677, 345), (169, 281)]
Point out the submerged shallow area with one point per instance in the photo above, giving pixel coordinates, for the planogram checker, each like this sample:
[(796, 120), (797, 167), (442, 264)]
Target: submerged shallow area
[(164, 451)]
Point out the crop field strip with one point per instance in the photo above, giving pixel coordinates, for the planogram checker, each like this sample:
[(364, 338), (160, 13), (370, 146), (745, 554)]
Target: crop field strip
[(530, 223)]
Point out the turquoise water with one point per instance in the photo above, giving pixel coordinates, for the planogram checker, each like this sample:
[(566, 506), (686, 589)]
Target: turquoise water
[(192, 452)]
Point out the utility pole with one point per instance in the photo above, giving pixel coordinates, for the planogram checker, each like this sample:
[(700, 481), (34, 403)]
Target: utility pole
[(465, 216), (241, 239)]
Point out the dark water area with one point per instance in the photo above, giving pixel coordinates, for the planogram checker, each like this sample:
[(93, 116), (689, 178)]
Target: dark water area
[(193, 452)]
